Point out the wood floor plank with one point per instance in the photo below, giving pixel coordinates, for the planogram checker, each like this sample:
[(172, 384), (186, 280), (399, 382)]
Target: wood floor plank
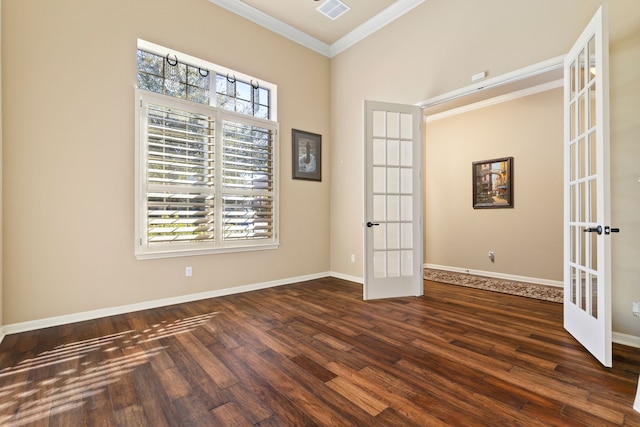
[(174, 383), (131, 416), (296, 388), (230, 415), (253, 409), (347, 409), (285, 411), (315, 354), (313, 368), (400, 403), (358, 396), (209, 363)]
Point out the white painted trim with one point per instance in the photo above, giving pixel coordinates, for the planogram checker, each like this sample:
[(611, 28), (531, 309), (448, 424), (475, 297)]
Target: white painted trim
[(390, 14), (497, 100), (15, 328), (512, 277), (273, 24), (625, 339), (513, 76), (112, 311), (385, 17), (350, 278), (636, 403)]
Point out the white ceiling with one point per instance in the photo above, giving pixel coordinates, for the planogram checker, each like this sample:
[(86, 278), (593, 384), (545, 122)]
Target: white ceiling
[(300, 21)]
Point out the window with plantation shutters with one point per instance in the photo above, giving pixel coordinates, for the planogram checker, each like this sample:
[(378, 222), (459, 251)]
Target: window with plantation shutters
[(206, 179), (247, 181), (180, 175)]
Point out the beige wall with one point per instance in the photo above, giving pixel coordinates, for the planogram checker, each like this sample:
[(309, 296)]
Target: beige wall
[(1, 174), (435, 49), (625, 179), (527, 239), (69, 72)]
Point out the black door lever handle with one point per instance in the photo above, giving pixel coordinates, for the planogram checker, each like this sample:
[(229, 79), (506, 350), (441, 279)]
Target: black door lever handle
[(597, 229), (371, 224)]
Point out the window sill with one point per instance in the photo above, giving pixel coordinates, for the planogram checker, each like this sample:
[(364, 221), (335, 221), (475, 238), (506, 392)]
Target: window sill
[(197, 252)]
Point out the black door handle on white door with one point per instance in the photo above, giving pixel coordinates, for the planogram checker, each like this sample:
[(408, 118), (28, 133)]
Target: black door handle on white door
[(597, 229), (371, 224)]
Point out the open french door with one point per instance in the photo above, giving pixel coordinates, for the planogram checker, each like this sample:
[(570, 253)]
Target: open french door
[(587, 252), (393, 201)]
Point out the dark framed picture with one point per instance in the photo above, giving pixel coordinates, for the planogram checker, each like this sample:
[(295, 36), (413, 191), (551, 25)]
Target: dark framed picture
[(493, 183), (307, 155)]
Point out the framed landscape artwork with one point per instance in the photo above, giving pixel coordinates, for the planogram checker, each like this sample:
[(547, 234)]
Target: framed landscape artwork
[(493, 183)]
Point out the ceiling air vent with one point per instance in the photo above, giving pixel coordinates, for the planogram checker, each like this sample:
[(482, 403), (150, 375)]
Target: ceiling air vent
[(333, 9)]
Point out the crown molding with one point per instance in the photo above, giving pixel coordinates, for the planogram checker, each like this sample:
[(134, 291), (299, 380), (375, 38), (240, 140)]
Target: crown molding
[(273, 24), (379, 21), (385, 17)]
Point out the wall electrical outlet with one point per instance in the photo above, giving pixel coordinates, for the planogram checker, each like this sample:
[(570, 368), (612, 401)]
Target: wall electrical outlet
[(353, 258), (635, 308), (188, 271)]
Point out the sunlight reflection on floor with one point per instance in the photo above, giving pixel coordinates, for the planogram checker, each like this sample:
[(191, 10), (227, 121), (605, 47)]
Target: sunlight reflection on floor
[(63, 378)]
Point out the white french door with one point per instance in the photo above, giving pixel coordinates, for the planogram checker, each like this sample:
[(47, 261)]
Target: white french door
[(587, 253), (393, 200)]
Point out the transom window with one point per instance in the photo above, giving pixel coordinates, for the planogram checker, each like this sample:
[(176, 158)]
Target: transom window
[(170, 76), (193, 79), (206, 176)]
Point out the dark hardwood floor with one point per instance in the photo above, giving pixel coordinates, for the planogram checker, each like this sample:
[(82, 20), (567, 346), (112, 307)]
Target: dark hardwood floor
[(314, 353)]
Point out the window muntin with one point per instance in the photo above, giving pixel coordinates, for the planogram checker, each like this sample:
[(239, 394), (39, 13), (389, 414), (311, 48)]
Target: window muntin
[(241, 96), (170, 76)]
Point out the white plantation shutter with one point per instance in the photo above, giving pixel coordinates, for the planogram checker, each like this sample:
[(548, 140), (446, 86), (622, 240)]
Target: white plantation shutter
[(180, 175), (247, 181), (206, 179)]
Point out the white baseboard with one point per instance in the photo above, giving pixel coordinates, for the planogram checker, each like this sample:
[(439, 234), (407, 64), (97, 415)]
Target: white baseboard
[(104, 312), (514, 278), (624, 339), (619, 338), (350, 278)]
